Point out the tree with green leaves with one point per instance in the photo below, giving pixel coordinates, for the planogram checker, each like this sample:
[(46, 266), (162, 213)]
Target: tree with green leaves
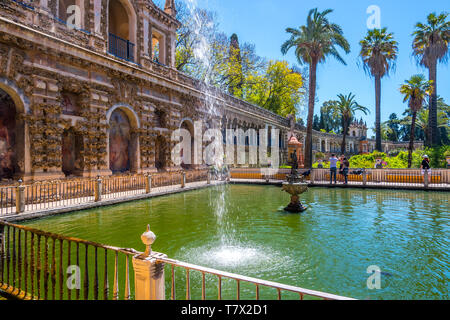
[(313, 43), (391, 128), (316, 123), (430, 46), (236, 77), (422, 122), (378, 54), (415, 91), (277, 88), (330, 121), (345, 108)]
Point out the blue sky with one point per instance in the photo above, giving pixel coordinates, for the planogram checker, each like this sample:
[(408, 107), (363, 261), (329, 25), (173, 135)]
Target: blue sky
[(263, 22)]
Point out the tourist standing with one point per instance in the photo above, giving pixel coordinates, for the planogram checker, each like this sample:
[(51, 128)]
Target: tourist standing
[(425, 166), (345, 165), (333, 168)]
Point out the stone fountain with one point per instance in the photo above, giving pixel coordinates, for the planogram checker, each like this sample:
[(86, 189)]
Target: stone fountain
[(295, 184)]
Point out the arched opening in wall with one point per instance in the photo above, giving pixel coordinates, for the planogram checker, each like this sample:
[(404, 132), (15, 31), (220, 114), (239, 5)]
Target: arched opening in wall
[(10, 131), (66, 13), (323, 146), (187, 156), (160, 153), (123, 143), (122, 29), (72, 149)]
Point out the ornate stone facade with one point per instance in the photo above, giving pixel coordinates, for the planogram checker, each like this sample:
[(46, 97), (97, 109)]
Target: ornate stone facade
[(69, 82)]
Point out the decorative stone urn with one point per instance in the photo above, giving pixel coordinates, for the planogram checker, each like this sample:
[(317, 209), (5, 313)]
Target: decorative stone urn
[(295, 186), (295, 189)]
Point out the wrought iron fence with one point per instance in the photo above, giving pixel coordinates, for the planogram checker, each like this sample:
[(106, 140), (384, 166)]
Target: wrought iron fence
[(121, 48), (38, 265), (119, 187), (7, 200), (47, 195), (197, 279)]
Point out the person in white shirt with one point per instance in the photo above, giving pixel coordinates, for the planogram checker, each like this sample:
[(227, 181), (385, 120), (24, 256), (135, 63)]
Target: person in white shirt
[(333, 168)]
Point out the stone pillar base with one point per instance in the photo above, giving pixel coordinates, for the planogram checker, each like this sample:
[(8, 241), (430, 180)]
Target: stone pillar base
[(51, 175), (149, 170), (149, 279)]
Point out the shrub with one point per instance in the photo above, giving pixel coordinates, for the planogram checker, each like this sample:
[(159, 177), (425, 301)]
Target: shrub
[(320, 155), (326, 165), (400, 161)]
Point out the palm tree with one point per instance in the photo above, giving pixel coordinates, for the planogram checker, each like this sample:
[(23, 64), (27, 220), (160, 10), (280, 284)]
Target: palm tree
[(422, 121), (313, 43), (378, 54), (415, 90), (345, 108), (430, 45)]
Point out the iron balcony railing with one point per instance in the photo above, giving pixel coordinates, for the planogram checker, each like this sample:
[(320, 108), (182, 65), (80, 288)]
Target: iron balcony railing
[(121, 48)]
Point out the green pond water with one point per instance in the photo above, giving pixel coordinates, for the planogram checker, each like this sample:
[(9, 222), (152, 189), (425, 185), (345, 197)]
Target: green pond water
[(243, 229)]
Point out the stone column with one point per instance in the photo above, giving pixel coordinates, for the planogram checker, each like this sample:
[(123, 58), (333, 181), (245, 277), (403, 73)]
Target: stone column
[(183, 180), (146, 34), (364, 177), (425, 179), (148, 273), (97, 18), (148, 184), (98, 190), (20, 198)]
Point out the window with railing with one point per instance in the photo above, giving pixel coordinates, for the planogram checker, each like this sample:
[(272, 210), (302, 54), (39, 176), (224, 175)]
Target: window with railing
[(121, 48), (122, 29)]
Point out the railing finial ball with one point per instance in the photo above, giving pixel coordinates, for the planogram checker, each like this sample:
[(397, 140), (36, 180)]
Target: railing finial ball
[(148, 238)]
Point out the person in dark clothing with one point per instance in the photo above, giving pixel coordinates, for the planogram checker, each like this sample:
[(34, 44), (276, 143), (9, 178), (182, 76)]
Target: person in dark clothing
[(425, 166), (345, 168)]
